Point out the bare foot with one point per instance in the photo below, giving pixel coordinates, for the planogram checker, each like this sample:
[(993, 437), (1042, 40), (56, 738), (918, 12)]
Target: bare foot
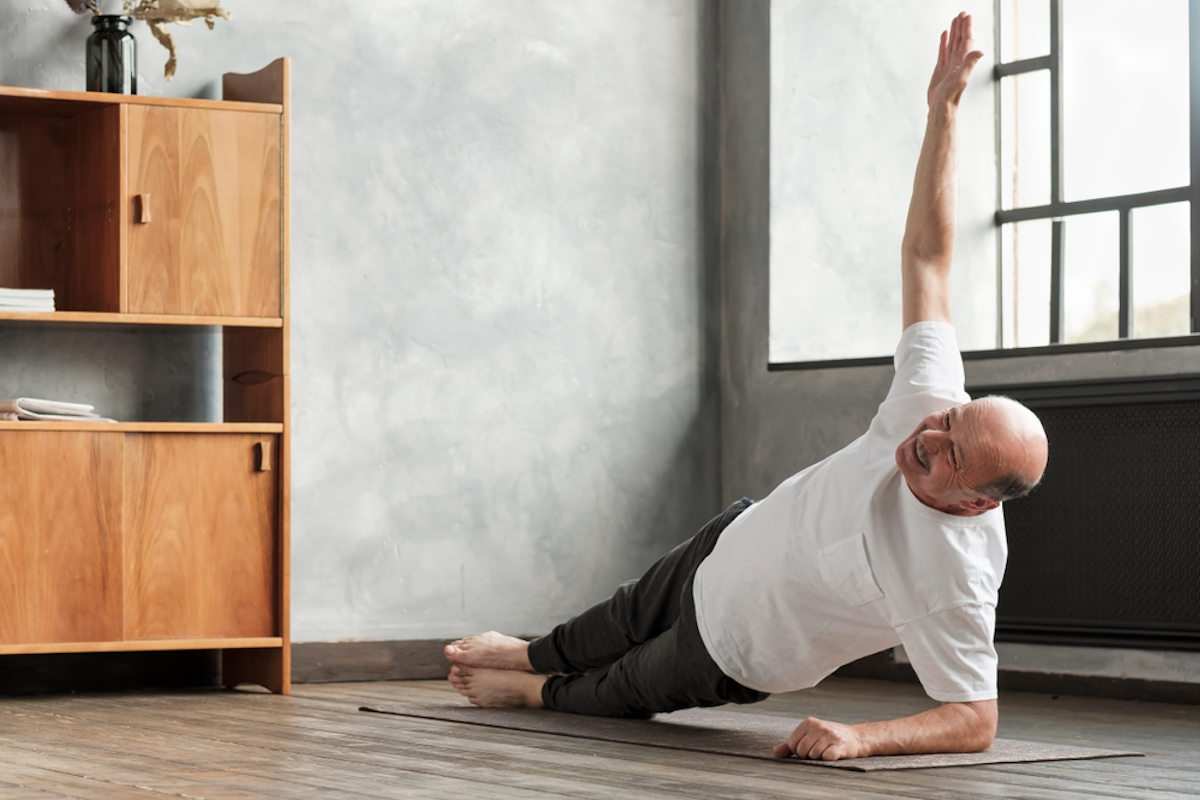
[(490, 650), (498, 688)]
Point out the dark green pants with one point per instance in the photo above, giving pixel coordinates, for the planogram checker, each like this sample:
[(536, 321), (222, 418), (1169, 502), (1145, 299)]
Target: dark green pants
[(640, 652)]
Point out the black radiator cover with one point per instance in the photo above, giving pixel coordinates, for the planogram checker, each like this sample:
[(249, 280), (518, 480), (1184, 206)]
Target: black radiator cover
[(1106, 550)]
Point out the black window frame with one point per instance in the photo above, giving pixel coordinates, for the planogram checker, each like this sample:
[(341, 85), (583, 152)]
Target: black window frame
[(1058, 209)]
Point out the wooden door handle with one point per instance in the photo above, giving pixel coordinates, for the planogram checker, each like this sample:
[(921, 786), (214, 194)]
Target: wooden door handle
[(263, 451), (141, 210)]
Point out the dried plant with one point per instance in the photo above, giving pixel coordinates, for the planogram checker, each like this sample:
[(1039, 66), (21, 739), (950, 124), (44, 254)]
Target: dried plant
[(159, 13)]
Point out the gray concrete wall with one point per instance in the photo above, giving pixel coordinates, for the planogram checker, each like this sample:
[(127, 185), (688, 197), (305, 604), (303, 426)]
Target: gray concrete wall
[(503, 356)]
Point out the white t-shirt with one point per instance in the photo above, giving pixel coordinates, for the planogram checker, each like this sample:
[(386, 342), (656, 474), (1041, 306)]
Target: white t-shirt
[(842, 560)]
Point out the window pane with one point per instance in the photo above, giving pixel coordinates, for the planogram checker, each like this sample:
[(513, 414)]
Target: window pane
[(1125, 96), (1024, 29), (1091, 277), (1026, 274), (1025, 140), (1161, 274)]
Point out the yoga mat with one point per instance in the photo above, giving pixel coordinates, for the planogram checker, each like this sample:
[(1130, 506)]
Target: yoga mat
[(707, 730)]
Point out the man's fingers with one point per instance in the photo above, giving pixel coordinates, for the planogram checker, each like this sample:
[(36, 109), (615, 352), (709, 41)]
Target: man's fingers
[(835, 751), (817, 739), (814, 741), (960, 40), (812, 748)]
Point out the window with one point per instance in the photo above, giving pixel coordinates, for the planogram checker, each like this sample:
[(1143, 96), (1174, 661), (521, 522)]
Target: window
[(847, 115), (1097, 214)]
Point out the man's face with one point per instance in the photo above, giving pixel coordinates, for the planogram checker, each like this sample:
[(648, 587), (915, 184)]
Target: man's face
[(952, 452)]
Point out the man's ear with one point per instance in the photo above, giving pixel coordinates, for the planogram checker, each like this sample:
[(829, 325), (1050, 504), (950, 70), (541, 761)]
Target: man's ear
[(973, 507), (980, 504)]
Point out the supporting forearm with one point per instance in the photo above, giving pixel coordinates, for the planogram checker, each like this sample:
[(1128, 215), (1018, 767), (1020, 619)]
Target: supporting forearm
[(949, 728)]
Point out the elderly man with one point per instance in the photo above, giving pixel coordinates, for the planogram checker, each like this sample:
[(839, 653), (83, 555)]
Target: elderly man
[(896, 539)]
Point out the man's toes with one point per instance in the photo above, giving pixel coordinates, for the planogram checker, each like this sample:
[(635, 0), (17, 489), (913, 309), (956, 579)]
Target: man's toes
[(459, 682)]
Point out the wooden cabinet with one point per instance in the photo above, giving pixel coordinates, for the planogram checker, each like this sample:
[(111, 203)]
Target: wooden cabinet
[(60, 537), (204, 226), (200, 521), (153, 534)]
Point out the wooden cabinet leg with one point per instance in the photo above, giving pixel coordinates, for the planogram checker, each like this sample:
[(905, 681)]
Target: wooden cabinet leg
[(269, 667)]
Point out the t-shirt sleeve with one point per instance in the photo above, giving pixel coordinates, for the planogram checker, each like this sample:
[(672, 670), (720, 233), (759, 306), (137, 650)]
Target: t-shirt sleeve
[(929, 377), (953, 654)]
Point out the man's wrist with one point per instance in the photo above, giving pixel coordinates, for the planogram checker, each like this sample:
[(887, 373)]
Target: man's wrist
[(867, 744), (943, 113)]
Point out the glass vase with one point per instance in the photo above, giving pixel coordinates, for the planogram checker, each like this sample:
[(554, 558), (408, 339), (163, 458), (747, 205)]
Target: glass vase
[(111, 55)]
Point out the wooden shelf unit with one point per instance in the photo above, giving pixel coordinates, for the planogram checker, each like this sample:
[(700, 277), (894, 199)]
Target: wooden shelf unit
[(142, 212)]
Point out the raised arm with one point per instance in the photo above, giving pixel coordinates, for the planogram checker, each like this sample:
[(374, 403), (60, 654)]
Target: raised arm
[(928, 246)]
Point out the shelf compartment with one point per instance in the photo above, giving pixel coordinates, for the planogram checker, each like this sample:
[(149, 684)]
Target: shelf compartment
[(59, 210)]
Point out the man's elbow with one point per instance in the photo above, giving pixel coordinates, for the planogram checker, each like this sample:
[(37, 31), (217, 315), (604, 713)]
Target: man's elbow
[(979, 725), (935, 251), (982, 738)]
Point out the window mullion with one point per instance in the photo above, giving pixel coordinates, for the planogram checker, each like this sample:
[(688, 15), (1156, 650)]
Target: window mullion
[(1021, 67), (1056, 173), (1194, 147), (1057, 250), (1125, 281), (1056, 102)]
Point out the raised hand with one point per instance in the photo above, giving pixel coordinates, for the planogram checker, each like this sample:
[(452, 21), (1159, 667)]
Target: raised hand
[(956, 59)]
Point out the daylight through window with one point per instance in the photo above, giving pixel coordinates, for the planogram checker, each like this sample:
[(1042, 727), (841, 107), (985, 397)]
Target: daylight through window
[(1095, 175)]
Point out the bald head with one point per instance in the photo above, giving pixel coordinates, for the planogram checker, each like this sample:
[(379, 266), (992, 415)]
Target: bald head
[(968, 459), (1019, 441)]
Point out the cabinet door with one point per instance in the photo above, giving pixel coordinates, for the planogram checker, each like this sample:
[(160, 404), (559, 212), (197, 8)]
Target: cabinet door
[(201, 549), (204, 235), (60, 537)]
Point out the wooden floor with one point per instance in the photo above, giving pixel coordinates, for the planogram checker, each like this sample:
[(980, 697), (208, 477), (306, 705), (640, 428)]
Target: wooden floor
[(316, 744)]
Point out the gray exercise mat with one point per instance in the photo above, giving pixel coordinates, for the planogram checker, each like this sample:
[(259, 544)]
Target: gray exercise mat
[(707, 730)]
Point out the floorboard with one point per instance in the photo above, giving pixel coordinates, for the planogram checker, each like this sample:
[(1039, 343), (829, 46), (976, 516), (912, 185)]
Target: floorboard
[(229, 745)]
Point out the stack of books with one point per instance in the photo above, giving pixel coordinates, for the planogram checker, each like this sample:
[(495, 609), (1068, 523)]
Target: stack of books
[(32, 300), (30, 408)]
